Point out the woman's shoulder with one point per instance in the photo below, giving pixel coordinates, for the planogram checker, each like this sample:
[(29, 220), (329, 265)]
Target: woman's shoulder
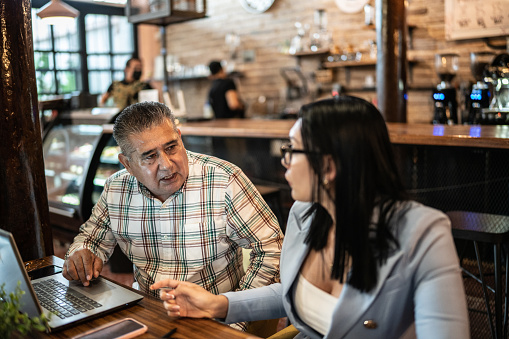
[(297, 216), (416, 221), (418, 212)]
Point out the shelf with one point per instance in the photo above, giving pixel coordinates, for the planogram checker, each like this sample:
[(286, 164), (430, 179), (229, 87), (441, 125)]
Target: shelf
[(109, 160), (184, 78), (234, 74), (175, 18), (343, 64), (373, 88), (164, 12), (310, 53), (359, 89)]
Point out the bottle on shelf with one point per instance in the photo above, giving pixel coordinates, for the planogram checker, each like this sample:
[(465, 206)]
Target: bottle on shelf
[(369, 15), (320, 38), (298, 41)]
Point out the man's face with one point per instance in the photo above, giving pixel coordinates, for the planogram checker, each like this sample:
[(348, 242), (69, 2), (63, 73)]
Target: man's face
[(159, 160)]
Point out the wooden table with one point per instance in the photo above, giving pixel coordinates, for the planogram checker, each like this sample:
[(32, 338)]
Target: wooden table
[(150, 312)]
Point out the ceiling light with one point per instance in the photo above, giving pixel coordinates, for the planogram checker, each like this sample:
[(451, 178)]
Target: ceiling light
[(56, 12)]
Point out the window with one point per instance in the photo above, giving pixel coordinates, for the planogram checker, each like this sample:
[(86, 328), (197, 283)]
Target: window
[(110, 45), (86, 56), (56, 58)]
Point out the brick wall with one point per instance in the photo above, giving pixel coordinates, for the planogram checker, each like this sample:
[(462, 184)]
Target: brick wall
[(266, 35)]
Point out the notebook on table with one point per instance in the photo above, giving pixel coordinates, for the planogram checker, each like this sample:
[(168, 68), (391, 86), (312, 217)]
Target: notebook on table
[(70, 301)]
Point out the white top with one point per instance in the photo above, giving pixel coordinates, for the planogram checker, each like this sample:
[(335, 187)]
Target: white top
[(314, 306)]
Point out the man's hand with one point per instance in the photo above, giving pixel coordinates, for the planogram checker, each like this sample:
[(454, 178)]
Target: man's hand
[(185, 299), (82, 265)]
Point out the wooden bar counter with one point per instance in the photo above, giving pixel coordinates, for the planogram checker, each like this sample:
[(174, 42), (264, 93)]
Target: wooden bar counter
[(400, 133), (458, 167), (150, 312)]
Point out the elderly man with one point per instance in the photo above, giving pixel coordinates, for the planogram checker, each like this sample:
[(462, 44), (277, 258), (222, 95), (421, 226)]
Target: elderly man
[(176, 214)]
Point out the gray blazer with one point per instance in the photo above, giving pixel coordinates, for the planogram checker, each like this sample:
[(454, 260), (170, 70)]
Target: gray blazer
[(419, 293)]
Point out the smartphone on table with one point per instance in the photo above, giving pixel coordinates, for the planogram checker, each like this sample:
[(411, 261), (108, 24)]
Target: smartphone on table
[(120, 329)]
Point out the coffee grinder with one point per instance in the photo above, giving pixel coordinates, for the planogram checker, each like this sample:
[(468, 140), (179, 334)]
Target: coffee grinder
[(444, 97), (498, 75), (480, 96)]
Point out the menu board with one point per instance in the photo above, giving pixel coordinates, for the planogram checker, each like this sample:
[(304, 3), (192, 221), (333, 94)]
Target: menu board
[(467, 19)]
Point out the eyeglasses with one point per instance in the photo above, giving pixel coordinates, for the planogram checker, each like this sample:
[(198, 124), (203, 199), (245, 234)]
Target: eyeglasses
[(287, 151)]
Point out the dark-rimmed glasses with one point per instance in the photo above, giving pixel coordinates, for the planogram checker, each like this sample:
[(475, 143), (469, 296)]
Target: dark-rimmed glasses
[(287, 151)]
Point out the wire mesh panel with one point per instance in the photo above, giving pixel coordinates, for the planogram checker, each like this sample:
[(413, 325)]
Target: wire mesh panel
[(463, 179), (457, 178)]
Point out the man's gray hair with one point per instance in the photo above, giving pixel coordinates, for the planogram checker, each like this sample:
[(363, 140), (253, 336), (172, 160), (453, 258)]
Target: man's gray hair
[(137, 118)]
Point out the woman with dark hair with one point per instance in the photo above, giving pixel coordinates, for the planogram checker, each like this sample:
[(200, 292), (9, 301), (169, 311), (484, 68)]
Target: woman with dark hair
[(359, 259)]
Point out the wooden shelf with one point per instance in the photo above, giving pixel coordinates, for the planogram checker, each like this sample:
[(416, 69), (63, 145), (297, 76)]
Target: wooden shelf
[(234, 74), (310, 53), (341, 64), (359, 89)]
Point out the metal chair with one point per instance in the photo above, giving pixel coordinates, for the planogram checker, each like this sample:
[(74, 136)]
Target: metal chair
[(493, 230)]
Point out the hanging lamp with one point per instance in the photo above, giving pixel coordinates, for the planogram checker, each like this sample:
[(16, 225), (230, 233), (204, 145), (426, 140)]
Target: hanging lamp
[(57, 12)]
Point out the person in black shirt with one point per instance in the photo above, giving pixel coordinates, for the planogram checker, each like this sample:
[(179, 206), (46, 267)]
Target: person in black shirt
[(125, 92), (223, 96)]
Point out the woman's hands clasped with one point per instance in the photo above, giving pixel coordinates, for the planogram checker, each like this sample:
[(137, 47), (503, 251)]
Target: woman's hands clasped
[(185, 299)]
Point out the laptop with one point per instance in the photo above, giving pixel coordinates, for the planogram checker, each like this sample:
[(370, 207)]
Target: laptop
[(70, 301)]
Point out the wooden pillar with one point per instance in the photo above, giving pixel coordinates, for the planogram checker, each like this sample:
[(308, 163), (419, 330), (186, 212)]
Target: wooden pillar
[(23, 198), (391, 65)]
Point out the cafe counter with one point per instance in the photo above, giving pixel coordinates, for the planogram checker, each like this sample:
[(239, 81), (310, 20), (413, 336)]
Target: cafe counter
[(461, 167), (400, 133), (434, 161)]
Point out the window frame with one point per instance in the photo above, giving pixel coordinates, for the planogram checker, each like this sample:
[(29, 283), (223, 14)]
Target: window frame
[(85, 8)]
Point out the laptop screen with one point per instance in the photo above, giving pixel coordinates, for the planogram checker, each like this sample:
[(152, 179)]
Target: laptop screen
[(14, 273), (81, 302)]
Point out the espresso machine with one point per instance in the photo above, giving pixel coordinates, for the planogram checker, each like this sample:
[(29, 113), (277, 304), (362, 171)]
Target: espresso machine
[(444, 97), (498, 75), (480, 95)]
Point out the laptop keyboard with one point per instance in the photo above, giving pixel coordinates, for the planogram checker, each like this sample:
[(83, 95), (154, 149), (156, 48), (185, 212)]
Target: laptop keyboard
[(62, 300)]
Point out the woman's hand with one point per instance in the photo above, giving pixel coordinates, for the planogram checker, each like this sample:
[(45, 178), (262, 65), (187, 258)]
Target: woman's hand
[(185, 299)]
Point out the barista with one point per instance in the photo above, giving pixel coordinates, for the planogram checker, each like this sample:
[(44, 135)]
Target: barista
[(223, 95), (125, 92)]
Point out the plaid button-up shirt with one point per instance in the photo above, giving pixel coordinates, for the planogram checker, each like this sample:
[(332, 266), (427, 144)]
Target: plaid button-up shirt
[(195, 235)]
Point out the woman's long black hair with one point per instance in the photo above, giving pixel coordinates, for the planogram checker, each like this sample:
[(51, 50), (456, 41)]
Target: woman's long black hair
[(353, 132)]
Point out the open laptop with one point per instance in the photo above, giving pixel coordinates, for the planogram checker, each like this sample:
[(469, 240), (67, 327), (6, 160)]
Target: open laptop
[(78, 303)]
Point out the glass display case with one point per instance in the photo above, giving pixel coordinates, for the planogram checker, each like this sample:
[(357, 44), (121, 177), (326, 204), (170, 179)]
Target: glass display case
[(77, 160)]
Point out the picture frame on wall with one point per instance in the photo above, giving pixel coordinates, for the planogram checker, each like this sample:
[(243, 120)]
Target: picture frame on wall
[(468, 19)]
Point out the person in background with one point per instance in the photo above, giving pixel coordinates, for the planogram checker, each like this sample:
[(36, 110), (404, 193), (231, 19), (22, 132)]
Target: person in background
[(176, 214), (223, 95), (359, 259), (125, 92)]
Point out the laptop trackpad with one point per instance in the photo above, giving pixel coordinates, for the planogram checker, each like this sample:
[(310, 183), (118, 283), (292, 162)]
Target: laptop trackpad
[(97, 286)]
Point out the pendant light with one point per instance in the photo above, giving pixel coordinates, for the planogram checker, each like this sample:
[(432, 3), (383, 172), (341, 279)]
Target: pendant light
[(57, 12)]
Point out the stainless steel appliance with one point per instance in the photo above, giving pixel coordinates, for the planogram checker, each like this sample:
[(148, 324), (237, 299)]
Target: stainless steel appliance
[(498, 76), (444, 97), (480, 94)]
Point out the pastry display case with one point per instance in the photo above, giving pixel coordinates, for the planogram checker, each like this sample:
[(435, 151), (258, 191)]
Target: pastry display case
[(78, 159)]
